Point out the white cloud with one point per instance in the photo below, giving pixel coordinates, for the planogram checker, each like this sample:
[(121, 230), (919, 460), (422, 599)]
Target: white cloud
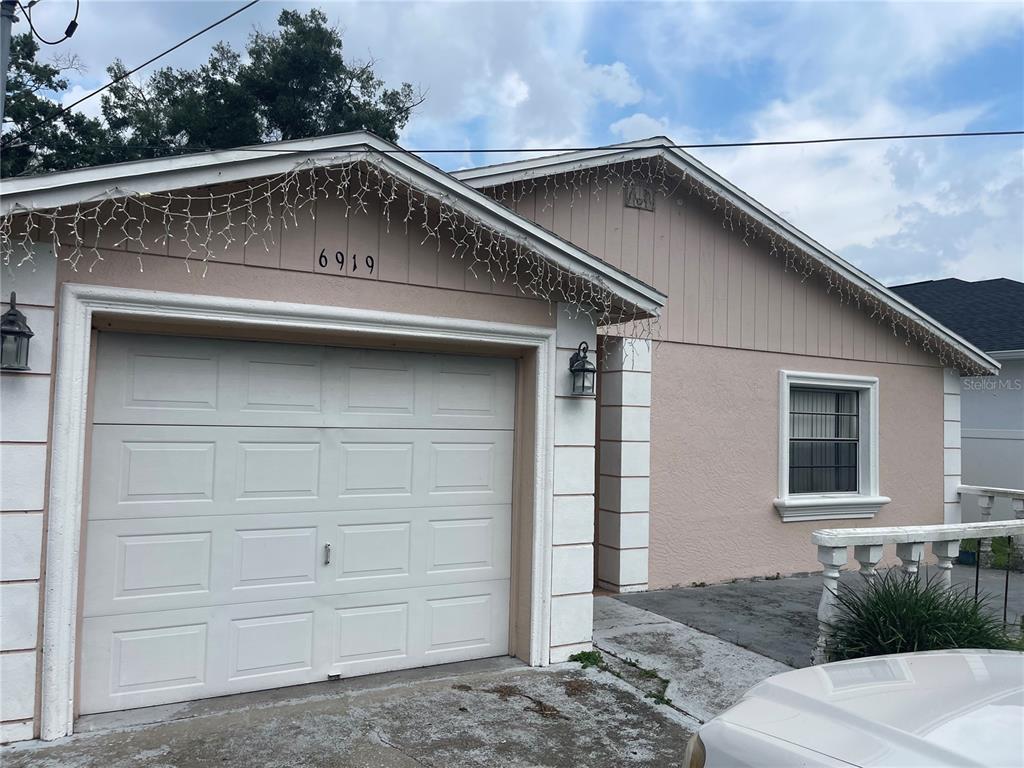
[(901, 210), (90, 107), (512, 91), (640, 125), (612, 82), (544, 74)]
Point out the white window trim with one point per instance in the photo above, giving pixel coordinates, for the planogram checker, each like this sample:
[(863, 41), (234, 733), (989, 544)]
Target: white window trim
[(832, 506)]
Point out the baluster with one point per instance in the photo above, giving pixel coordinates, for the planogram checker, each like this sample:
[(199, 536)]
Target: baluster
[(1017, 546), (985, 545), (832, 559), (868, 555), (911, 553), (945, 552)]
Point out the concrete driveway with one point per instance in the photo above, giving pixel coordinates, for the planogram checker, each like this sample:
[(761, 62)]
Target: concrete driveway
[(778, 618), (494, 713), (655, 683)]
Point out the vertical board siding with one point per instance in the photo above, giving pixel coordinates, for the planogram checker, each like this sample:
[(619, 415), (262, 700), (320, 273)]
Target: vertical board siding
[(677, 273), (660, 255), (613, 230), (346, 232), (721, 291)]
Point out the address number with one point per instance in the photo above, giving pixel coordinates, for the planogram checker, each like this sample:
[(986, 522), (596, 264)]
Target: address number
[(368, 263)]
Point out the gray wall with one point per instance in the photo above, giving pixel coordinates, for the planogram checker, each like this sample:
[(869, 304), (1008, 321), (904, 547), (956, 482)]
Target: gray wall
[(992, 423)]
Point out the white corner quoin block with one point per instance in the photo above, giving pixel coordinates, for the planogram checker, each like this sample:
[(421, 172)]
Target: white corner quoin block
[(573, 520), (572, 569), (24, 409), (21, 543), (19, 616), (575, 419), (22, 476), (574, 470), (18, 692), (572, 619), (625, 423)]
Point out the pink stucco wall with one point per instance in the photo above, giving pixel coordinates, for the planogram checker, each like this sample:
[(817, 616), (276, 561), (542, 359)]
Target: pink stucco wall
[(714, 460)]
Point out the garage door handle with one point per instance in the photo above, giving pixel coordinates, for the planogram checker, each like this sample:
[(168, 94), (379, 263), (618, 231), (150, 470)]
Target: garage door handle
[(327, 554)]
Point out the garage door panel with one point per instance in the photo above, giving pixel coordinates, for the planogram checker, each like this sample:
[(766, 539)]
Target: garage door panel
[(144, 659), (264, 515), (167, 380), (135, 660), (372, 632), (155, 564), (262, 646), (277, 470), (284, 557), (170, 564), (167, 471)]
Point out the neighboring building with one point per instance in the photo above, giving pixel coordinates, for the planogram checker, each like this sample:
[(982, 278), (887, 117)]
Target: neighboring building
[(306, 410), (990, 315)]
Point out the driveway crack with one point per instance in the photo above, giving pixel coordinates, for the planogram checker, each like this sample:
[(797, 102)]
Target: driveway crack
[(388, 743), (649, 674)]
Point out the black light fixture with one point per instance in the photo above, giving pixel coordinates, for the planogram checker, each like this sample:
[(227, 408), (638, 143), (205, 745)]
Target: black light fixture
[(14, 338), (583, 371)]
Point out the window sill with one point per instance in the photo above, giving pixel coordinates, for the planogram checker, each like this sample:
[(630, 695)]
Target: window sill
[(838, 507)]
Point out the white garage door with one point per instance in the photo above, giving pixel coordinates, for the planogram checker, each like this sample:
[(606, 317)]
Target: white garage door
[(263, 515)]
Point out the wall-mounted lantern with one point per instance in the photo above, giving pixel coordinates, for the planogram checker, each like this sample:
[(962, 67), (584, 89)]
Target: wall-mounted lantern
[(583, 372), (14, 337)]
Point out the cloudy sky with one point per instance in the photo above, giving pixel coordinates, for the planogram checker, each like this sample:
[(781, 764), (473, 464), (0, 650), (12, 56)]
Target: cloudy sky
[(510, 74)]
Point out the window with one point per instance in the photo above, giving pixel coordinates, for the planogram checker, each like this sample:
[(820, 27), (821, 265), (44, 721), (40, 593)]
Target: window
[(823, 442), (828, 447)]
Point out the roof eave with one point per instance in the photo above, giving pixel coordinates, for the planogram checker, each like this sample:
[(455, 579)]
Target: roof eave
[(229, 165)]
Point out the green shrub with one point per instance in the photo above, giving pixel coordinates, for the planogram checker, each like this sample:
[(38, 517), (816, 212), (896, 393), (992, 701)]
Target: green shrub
[(900, 614), (1000, 550), (588, 659)]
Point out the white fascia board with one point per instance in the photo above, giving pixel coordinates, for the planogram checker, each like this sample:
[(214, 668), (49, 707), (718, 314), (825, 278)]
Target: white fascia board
[(224, 166), (1007, 354), (505, 173)]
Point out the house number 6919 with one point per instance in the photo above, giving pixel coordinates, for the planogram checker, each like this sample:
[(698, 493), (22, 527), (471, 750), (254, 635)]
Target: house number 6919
[(340, 258)]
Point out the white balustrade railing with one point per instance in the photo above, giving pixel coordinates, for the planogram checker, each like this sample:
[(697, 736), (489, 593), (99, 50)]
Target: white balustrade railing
[(986, 498), (944, 540)]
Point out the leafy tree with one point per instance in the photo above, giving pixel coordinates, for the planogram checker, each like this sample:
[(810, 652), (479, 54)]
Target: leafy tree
[(70, 141), (304, 87), (293, 83)]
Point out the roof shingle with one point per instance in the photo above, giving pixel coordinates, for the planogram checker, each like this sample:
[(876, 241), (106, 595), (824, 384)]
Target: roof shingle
[(988, 313)]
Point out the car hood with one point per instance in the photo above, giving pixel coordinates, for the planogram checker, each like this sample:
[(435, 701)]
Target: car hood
[(955, 708)]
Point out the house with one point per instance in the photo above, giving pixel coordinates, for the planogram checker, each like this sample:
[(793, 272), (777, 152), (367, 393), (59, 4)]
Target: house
[(306, 410), (989, 314)]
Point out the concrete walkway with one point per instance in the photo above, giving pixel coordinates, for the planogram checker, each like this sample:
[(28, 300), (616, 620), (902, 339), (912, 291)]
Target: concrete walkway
[(778, 618), (493, 713), (697, 674)]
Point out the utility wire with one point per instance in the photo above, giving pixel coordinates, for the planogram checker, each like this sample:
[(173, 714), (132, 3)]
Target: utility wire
[(72, 25), (9, 144), (194, 148)]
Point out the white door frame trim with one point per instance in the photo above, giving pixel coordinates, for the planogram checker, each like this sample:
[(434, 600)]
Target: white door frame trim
[(63, 536)]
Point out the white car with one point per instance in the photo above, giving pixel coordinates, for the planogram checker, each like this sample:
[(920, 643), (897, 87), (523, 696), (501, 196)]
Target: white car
[(941, 708)]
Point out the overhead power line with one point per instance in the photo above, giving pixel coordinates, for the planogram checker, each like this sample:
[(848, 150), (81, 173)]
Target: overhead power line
[(618, 148), (592, 148), (72, 25), (9, 143)]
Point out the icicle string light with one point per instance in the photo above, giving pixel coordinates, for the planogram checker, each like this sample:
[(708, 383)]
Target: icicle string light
[(208, 222), (657, 174), (205, 222)]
